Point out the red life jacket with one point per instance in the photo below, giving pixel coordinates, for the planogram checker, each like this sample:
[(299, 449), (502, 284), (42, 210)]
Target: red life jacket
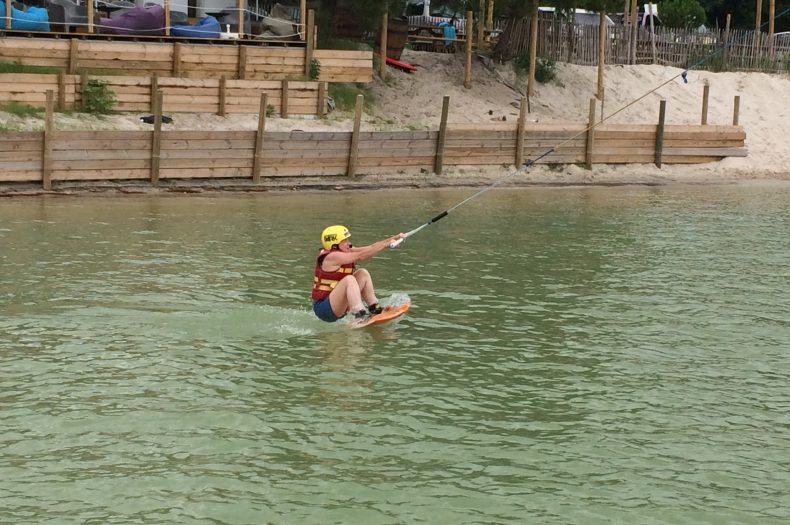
[(324, 282)]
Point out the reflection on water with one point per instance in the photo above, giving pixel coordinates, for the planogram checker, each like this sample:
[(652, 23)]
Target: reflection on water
[(574, 355)]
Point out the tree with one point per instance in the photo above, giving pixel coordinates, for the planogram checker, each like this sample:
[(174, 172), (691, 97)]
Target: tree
[(681, 13)]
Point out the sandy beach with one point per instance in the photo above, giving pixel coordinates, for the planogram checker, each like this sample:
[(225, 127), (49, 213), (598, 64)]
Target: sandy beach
[(413, 101)]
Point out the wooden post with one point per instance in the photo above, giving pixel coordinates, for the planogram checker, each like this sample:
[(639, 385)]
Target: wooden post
[(662, 114), (156, 138), (91, 9), (383, 46), (7, 15), (258, 159), (177, 46), (61, 90), (468, 61), (223, 88), (302, 19), (736, 110), (438, 163), (771, 15), (490, 15), (83, 90), (533, 50), (757, 32), (726, 53), (154, 91), (520, 132), (73, 55), (284, 100), (601, 54), (242, 65), (46, 160), (588, 151), (634, 31), (240, 11), (480, 25), (705, 97), (166, 7), (321, 100), (309, 48), (653, 33), (353, 150)]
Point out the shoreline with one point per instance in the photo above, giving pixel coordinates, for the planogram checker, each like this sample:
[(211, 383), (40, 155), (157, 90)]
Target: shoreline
[(638, 175)]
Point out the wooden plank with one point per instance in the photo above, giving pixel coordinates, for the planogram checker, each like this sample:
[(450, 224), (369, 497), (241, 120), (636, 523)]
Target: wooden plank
[(49, 129), (156, 139), (442, 139), (659, 150), (259, 141), (354, 145), (284, 100), (115, 174), (590, 142)]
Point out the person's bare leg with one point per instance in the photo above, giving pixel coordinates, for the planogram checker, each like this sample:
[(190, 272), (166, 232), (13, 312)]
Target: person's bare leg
[(366, 289), (346, 296)]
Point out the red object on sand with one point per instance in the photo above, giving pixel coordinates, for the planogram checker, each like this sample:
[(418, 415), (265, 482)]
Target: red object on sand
[(402, 65)]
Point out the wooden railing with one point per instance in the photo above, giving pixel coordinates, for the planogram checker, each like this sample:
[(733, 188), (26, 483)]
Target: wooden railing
[(243, 62), (181, 95), (55, 155)]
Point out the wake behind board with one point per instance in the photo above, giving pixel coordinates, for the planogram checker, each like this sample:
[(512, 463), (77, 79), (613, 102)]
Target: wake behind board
[(390, 313)]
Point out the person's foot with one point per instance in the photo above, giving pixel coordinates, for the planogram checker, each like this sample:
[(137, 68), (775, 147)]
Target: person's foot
[(375, 309), (361, 315)]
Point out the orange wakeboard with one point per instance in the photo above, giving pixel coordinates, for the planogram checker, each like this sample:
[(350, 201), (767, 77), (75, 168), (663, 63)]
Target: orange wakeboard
[(390, 313)]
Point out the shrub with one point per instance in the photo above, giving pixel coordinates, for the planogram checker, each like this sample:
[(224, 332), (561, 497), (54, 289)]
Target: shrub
[(97, 98), (545, 68), (315, 69)]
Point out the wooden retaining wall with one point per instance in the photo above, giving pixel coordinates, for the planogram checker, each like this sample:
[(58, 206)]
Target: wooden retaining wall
[(181, 95), (107, 155), (205, 61)]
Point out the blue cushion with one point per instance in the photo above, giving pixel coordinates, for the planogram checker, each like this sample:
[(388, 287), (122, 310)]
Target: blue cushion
[(34, 19), (206, 27)]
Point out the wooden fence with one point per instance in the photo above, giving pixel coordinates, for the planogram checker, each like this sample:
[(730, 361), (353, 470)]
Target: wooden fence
[(55, 155), (180, 95), (716, 49), (243, 62)]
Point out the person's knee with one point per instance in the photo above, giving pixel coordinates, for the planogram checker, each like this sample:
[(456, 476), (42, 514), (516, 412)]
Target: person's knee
[(362, 275)]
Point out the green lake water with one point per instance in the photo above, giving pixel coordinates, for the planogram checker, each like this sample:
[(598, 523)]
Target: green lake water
[(604, 355)]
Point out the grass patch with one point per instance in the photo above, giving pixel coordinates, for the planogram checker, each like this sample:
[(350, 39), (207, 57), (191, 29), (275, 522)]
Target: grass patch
[(21, 110), (345, 94), (19, 67)]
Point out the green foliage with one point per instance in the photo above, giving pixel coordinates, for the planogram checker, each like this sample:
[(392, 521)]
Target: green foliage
[(97, 97), (270, 111), (315, 69), (681, 13), (19, 67), (545, 68), (345, 95), (21, 110)]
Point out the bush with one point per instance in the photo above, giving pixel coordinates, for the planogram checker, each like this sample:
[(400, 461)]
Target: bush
[(97, 98), (315, 69), (545, 69)]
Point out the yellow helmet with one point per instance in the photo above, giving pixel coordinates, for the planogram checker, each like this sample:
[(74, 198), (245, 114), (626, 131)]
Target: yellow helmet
[(334, 235)]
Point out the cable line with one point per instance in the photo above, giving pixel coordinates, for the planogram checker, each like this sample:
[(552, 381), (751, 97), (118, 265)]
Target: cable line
[(559, 145)]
